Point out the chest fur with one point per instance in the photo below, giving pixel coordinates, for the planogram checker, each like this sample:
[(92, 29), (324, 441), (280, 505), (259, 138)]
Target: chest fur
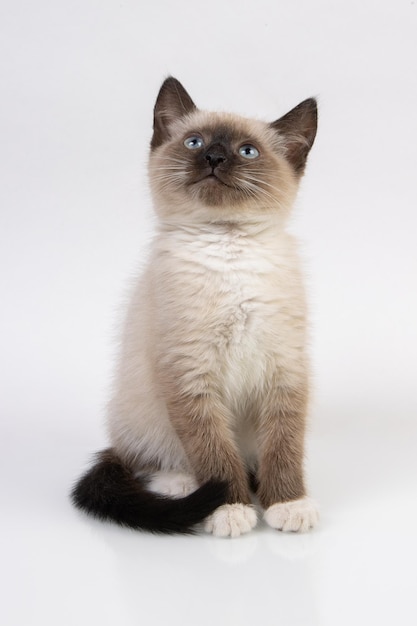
[(235, 290)]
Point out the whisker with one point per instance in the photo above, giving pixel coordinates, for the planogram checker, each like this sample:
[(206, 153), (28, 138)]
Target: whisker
[(170, 167), (174, 160), (252, 190)]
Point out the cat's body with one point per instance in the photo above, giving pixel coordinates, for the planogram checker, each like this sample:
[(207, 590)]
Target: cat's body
[(212, 382)]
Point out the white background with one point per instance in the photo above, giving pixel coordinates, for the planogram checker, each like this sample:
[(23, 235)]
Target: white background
[(78, 82)]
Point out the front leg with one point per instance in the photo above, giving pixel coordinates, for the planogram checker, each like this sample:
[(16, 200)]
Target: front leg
[(202, 424), (281, 429)]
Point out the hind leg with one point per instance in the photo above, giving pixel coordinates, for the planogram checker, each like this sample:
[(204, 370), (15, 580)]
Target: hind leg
[(173, 484)]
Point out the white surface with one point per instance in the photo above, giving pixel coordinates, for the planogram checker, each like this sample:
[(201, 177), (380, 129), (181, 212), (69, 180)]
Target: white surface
[(78, 82)]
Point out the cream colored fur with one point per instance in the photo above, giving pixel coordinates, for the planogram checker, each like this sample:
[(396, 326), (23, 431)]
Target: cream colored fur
[(250, 304), (231, 520), (173, 484), (296, 516)]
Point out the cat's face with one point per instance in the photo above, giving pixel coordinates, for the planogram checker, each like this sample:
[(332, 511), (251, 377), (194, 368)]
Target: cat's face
[(218, 166)]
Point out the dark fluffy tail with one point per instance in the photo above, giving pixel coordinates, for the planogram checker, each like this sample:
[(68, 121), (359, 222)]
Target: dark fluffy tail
[(110, 491)]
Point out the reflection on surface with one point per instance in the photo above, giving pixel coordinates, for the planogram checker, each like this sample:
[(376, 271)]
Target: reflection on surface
[(204, 580)]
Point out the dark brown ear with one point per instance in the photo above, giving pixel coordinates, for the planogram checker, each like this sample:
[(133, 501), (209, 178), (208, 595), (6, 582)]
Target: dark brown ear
[(298, 127), (172, 103)]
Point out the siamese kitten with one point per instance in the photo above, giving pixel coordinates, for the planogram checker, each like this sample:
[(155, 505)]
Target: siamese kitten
[(211, 391)]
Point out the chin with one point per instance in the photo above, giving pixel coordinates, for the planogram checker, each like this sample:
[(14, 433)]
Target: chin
[(214, 193)]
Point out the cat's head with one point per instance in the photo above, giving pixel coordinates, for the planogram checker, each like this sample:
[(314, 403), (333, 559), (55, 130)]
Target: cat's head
[(220, 166)]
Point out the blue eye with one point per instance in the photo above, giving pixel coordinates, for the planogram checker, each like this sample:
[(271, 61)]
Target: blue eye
[(193, 142), (248, 151)]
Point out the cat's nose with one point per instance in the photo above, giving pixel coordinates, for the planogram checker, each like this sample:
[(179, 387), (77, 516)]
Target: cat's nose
[(215, 157)]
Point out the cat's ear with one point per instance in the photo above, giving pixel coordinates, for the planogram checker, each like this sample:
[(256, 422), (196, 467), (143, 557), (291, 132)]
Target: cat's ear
[(172, 103), (298, 127)]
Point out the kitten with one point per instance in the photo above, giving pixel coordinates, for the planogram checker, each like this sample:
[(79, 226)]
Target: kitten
[(211, 390)]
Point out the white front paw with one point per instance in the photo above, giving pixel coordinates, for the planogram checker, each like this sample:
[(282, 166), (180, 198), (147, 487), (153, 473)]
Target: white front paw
[(231, 520), (296, 515)]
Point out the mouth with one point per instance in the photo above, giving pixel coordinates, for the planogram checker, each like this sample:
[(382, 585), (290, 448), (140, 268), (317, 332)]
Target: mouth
[(211, 179)]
